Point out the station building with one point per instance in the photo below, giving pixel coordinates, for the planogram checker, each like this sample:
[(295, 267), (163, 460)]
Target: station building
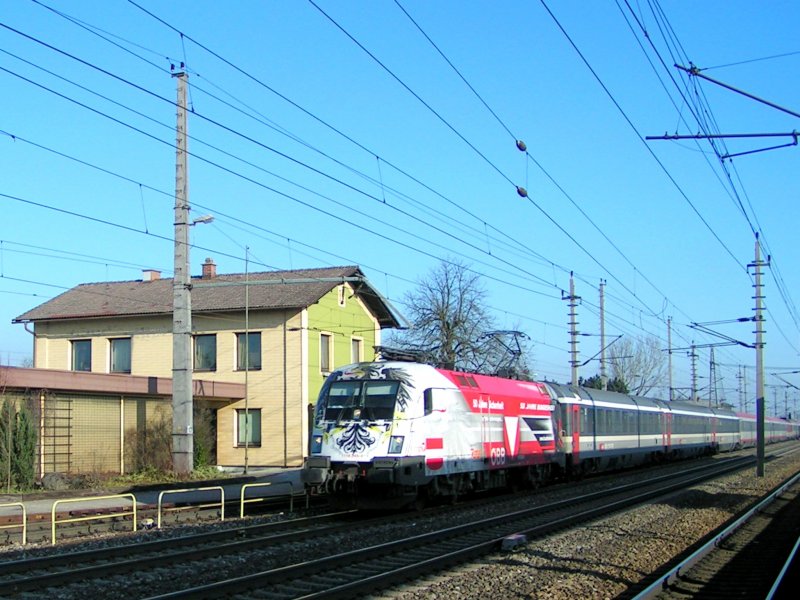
[(270, 337)]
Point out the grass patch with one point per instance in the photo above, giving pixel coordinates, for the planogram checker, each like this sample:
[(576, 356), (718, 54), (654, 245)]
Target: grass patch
[(150, 476)]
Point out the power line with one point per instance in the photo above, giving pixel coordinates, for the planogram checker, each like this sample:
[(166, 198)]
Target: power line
[(641, 139), (247, 138), (417, 96), (427, 106)]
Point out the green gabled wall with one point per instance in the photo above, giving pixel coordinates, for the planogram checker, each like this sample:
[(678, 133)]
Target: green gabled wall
[(344, 323)]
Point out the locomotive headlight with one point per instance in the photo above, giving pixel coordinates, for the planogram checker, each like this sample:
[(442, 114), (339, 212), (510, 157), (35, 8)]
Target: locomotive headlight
[(396, 444), (316, 444)]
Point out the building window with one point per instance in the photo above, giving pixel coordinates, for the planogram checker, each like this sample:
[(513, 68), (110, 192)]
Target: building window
[(356, 350), (248, 351), (81, 355), (205, 352), (342, 295), (121, 355), (248, 427), (325, 352)]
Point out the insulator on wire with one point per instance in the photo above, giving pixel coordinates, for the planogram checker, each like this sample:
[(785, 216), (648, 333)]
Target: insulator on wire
[(523, 193), (521, 145)]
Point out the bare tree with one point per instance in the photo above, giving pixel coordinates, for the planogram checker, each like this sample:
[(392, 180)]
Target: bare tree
[(450, 323), (639, 363)]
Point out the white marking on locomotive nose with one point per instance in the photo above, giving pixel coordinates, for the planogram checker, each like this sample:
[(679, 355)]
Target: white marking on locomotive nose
[(512, 433)]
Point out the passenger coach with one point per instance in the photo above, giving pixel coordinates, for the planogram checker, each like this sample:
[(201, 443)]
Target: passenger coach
[(602, 430)]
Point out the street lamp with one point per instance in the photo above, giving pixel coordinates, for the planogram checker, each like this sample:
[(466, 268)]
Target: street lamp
[(204, 219)]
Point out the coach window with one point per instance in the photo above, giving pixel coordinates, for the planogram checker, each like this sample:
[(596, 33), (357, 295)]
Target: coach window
[(617, 422), (120, 355), (601, 420), (566, 420), (205, 352), (630, 421), (81, 355), (587, 420), (650, 423)]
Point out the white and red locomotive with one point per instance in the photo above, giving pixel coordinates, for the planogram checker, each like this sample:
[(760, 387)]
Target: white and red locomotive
[(392, 433)]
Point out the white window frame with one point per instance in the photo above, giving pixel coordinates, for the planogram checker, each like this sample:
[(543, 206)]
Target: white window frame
[(111, 354), (357, 342), (236, 430), (194, 352), (238, 366), (72, 344), (326, 339)]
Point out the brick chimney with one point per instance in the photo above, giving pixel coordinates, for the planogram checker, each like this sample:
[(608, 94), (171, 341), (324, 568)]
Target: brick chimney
[(150, 275), (209, 269)]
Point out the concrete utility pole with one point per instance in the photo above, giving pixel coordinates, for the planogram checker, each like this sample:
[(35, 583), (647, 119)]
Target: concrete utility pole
[(693, 356), (603, 374), (182, 400), (713, 400), (759, 319), (248, 425), (669, 356), (741, 379), (573, 328)]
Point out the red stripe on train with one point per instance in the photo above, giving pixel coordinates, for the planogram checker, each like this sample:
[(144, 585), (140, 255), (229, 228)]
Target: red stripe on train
[(434, 443)]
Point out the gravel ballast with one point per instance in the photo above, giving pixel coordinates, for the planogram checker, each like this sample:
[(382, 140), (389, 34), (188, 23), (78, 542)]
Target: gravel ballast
[(605, 558)]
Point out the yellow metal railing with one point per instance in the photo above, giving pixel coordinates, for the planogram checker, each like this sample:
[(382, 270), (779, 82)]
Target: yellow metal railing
[(247, 486), (221, 502), (124, 513), (23, 525)]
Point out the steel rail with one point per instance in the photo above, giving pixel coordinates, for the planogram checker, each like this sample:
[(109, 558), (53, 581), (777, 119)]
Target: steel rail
[(158, 552), (677, 569), (367, 569)]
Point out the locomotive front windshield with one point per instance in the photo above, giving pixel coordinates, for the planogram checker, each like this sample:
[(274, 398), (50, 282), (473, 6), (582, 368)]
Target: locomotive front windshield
[(361, 399)]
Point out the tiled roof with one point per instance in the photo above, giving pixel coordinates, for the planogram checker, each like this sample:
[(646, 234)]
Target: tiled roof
[(292, 289)]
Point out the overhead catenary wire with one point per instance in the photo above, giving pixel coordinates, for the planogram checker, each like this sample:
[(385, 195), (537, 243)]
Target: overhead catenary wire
[(456, 205), (531, 158), (511, 134), (242, 135), (365, 50), (663, 167), (208, 208), (700, 113), (272, 189), (559, 267)]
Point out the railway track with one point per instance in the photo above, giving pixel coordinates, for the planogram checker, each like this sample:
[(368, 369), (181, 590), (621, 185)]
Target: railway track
[(362, 571), (743, 558), (284, 560), (41, 573)]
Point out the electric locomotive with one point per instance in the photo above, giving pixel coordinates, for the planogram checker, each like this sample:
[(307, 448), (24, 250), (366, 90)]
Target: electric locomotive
[(393, 433)]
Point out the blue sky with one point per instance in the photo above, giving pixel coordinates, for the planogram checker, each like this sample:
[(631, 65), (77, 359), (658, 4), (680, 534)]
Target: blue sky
[(334, 133)]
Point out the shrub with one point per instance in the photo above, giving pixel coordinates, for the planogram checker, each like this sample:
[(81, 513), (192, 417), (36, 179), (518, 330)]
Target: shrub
[(23, 461), (151, 446), (7, 418), (17, 447), (204, 438)]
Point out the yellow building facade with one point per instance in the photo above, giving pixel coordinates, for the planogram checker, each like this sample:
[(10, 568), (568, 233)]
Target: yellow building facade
[(280, 340)]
